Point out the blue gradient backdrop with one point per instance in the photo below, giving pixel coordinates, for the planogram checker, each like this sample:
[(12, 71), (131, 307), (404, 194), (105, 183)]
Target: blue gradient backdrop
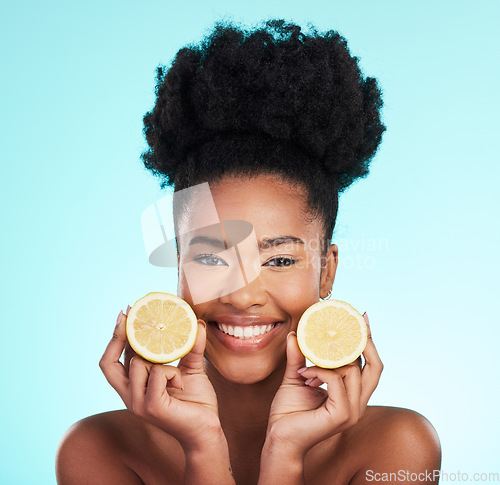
[(418, 238)]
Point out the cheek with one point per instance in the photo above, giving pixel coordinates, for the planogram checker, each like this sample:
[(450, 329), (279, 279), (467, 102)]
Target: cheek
[(295, 291), (183, 292), (294, 286)]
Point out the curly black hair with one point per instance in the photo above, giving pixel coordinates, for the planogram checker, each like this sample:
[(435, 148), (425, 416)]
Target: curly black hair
[(271, 99)]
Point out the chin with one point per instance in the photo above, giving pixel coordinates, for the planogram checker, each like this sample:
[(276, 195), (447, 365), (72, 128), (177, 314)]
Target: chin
[(243, 370)]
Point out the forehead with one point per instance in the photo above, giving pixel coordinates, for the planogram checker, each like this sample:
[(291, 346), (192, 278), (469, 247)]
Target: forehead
[(272, 205)]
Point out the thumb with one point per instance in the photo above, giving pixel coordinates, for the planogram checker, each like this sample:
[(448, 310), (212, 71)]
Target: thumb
[(193, 360), (294, 361)]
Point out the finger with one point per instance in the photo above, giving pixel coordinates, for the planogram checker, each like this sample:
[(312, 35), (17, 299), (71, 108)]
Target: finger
[(372, 370), (192, 362), (351, 376), (139, 374), (337, 401), (110, 364), (159, 377), (313, 382), (129, 351), (294, 361)]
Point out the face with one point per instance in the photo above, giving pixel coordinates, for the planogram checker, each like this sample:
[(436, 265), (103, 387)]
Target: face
[(283, 273)]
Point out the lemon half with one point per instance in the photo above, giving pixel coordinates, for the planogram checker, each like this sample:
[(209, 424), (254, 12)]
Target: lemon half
[(331, 333), (161, 327)]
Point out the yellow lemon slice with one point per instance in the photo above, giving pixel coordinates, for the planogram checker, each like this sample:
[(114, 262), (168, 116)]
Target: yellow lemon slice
[(331, 333), (161, 327)]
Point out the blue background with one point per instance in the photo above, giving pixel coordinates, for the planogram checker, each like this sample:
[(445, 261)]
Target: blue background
[(418, 238)]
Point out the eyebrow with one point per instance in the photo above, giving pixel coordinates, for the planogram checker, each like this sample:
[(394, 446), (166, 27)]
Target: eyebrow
[(263, 244), (276, 241), (207, 240)]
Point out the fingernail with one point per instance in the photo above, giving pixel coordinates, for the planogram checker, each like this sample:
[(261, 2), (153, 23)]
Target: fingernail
[(119, 319), (308, 381), (302, 369), (202, 322), (291, 333), (128, 309)]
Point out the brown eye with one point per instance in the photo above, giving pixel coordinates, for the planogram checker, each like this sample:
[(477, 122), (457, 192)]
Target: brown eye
[(281, 262)]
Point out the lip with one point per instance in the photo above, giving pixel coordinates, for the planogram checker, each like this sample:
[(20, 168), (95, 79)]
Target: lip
[(245, 345), (244, 320)]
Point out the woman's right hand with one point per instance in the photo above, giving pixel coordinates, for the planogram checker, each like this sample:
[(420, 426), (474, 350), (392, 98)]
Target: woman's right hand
[(179, 400)]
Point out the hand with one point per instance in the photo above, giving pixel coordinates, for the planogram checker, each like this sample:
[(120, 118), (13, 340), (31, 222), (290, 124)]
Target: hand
[(303, 414), (179, 400)]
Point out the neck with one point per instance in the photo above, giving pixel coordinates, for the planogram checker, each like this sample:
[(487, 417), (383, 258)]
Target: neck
[(244, 408)]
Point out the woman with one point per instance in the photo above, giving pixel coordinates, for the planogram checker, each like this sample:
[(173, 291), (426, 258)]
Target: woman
[(278, 123)]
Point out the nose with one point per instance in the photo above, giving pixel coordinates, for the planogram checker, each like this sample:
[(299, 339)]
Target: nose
[(249, 295)]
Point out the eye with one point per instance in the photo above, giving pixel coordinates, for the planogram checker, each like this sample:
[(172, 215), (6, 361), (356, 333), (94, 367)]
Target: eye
[(281, 262), (210, 260)]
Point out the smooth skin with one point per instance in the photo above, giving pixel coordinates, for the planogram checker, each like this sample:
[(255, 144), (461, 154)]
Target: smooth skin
[(258, 417)]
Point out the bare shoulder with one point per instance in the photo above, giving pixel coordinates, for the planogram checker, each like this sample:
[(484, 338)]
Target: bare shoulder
[(385, 440), (396, 426), (396, 441), (115, 448), (91, 451)]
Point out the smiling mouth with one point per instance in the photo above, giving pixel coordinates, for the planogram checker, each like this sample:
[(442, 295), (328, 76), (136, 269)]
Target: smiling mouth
[(245, 332)]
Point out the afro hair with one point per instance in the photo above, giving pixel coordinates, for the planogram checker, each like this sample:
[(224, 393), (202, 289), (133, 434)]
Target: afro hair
[(271, 99)]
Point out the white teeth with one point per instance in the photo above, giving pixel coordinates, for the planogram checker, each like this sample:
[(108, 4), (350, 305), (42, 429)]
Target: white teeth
[(245, 332)]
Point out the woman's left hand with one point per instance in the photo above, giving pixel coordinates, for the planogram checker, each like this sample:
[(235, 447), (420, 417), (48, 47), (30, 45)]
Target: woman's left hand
[(303, 414)]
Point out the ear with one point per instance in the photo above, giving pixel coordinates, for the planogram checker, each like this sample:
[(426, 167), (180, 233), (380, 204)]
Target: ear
[(328, 270)]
